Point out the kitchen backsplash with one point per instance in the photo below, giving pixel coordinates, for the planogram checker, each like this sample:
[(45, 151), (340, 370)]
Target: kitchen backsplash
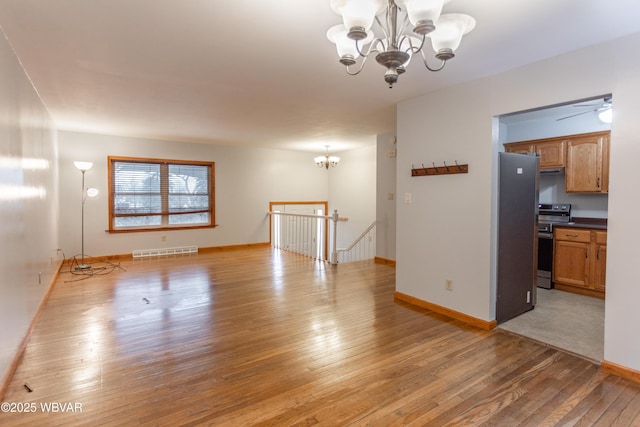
[(582, 205)]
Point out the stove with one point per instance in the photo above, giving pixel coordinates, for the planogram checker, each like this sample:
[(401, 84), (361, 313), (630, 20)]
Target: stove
[(549, 215)]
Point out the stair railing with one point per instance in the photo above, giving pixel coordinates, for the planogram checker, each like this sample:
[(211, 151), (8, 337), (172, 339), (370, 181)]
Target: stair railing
[(362, 248), (306, 234)]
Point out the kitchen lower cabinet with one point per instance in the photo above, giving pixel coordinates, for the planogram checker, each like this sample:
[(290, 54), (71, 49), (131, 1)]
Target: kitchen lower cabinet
[(579, 261), (601, 260)]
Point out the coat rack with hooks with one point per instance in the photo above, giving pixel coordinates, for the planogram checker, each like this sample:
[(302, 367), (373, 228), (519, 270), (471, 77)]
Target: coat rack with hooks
[(439, 170)]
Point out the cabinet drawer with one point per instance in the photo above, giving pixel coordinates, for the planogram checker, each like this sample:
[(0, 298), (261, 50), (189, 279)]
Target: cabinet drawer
[(573, 235), (601, 237)]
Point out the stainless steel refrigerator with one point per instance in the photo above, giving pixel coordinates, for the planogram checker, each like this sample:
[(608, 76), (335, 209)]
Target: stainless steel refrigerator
[(518, 189)]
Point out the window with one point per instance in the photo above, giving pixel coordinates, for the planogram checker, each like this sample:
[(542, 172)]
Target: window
[(151, 194)]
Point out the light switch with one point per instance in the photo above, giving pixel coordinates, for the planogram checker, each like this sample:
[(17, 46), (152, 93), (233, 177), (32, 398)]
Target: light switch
[(407, 197), (519, 171)]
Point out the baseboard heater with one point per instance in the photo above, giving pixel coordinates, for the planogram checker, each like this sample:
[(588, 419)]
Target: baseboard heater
[(144, 253)]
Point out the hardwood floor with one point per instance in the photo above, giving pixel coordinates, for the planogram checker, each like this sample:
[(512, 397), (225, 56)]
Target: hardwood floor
[(262, 337)]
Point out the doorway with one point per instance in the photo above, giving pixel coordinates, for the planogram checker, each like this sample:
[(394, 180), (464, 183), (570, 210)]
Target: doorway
[(565, 320)]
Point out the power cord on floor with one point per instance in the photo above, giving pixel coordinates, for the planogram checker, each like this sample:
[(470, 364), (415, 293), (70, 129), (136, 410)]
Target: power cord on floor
[(96, 267)]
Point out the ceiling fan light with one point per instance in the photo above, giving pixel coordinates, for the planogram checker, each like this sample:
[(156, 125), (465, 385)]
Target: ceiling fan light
[(606, 116), (449, 31), (358, 14), (422, 13)]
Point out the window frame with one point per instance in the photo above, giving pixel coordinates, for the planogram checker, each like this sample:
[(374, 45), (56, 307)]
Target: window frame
[(162, 162)]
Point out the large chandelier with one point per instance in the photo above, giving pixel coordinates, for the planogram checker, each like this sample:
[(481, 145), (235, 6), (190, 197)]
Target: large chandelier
[(326, 160), (392, 41)]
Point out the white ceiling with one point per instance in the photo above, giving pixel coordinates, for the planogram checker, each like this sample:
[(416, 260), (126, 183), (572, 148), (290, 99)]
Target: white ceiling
[(261, 72)]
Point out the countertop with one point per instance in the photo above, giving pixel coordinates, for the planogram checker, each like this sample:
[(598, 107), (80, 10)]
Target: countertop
[(594, 223)]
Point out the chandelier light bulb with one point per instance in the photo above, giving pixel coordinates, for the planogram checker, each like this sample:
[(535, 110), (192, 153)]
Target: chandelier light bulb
[(422, 13), (347, 49), (358, 15), (449, 31)]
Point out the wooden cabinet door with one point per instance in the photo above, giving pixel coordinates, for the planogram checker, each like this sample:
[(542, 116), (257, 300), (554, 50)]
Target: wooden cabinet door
[(600, 267), (600, 260), (587, 169), (571, 263), (519, 148), (551, 154)]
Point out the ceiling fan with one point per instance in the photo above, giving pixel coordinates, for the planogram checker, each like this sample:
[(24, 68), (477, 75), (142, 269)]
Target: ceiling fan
[(600, 107)]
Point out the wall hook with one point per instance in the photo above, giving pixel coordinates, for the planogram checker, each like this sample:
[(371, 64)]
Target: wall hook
[(439, 170)]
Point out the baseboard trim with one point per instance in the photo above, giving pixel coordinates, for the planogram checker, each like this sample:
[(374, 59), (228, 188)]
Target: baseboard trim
[(621, 371), (470, 320), (579, 291), (233, 247), (103, 258), (209, 249), (13, 366), (385, 261)]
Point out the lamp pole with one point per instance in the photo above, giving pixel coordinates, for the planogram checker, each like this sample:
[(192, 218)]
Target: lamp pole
[(83, 167), (82, 265)]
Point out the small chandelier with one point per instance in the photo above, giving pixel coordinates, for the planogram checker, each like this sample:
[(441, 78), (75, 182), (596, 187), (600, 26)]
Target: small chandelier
[(327, 160), (394, 46)]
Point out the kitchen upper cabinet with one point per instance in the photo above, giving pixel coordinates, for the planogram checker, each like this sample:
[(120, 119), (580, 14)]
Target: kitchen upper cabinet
[(551, 151), (551, 154), (587, 166), (519, 147), (584, 156), (579, 260)]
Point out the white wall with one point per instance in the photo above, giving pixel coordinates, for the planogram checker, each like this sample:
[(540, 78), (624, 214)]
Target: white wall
[(246, 181), (446, 232), (352, 191), (386, 197), (28, 203)]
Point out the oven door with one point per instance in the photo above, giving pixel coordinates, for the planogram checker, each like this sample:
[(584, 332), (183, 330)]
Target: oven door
[(545, 260)]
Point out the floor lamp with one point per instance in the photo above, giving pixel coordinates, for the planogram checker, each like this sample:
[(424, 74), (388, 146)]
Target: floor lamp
[(91, 192)]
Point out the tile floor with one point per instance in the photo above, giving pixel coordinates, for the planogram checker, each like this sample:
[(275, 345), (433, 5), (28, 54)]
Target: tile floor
[(564, 320)]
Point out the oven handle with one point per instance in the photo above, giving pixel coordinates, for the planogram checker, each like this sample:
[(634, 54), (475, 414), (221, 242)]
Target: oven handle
[(545, 235)]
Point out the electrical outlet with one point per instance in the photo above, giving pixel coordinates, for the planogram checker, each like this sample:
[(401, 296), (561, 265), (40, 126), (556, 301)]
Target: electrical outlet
[(163, 238), (448, 284)]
